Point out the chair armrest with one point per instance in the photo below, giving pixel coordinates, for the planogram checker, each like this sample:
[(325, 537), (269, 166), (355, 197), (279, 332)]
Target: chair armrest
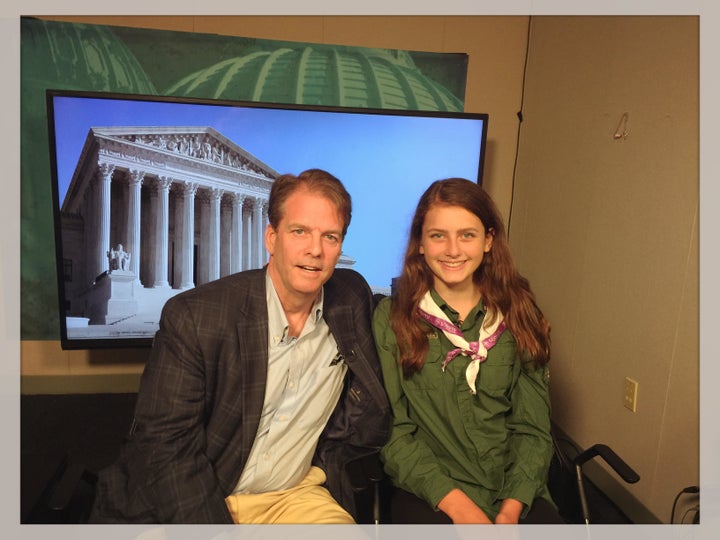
[(63, 491), (616, 462)]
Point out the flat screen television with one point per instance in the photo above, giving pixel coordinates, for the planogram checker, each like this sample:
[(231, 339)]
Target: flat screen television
[(154, 195)]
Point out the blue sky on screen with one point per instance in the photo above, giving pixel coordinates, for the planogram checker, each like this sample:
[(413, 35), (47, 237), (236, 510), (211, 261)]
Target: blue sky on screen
[(385, 161)]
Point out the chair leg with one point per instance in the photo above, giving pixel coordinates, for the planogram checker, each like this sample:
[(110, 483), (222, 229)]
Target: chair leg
[(69, 496)]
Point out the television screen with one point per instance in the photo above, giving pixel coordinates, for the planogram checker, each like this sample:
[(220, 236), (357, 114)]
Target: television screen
[(155, 195)]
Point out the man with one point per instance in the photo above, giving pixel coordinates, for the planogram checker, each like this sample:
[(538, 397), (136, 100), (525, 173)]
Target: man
[(261, 386)]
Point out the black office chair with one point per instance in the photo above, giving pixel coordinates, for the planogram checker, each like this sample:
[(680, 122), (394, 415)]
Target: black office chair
[(572, 491), (67, 498), (367, 476)]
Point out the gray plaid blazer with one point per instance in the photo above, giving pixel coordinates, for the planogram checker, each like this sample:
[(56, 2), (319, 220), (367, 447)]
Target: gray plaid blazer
[(202, 392)]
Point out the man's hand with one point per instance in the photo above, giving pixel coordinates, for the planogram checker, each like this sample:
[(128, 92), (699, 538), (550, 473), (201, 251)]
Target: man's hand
[(460, 508)]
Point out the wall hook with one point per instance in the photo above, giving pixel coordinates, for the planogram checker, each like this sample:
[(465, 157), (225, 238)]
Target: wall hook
[(622, 130)]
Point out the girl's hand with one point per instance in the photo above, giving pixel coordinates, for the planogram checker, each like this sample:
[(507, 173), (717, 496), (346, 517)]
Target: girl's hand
[(461, 509), (509, 512)]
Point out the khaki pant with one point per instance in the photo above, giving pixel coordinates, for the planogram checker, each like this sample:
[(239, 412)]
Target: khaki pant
[(308, 502)]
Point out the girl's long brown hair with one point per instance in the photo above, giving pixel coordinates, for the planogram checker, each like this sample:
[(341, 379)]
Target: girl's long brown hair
[(501, 286)]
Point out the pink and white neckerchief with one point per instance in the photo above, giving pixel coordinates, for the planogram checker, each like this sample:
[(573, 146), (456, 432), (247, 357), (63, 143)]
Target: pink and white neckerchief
[(476, 350)]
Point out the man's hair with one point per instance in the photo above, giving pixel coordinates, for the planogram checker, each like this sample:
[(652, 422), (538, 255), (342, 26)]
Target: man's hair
[(315, 181)]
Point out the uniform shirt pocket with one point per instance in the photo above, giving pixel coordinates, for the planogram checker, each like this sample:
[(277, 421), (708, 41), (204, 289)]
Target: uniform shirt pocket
[(429, 377), (496, 373)]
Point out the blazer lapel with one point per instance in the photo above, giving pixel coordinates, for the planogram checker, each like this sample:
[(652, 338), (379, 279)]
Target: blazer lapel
[(340, 321), (252, 332)]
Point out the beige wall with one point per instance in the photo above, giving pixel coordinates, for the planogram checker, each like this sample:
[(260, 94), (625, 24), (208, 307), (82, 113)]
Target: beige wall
[(605, 229)]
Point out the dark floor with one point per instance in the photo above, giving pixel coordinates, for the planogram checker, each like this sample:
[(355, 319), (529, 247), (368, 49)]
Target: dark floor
[(58, 431)]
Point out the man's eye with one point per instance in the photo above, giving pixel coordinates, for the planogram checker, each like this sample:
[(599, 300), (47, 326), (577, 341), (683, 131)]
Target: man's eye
[(332, 238), (298, 231)]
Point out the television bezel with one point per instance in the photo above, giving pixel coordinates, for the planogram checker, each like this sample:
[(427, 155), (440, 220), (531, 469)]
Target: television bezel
[(146, 342)]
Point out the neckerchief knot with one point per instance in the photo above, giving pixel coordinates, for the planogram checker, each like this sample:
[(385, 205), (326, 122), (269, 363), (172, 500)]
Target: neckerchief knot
[(476, 350)]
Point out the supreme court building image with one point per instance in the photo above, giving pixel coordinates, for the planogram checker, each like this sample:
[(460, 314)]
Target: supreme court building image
[(152, 211)]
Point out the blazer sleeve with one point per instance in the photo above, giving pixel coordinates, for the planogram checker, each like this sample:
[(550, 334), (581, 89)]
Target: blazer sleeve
[(177, 476)]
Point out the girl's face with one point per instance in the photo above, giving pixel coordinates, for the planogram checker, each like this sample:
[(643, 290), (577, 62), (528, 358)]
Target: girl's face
[(453, 243)]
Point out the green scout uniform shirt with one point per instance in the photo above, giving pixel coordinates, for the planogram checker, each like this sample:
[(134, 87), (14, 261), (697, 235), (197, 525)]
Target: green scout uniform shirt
[(493, 445)]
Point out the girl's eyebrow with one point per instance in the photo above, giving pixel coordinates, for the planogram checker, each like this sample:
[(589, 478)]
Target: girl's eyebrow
[(466, 229)]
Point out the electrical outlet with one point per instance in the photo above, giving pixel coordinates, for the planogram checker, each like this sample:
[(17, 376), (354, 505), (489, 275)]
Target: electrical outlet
[(630, 394)]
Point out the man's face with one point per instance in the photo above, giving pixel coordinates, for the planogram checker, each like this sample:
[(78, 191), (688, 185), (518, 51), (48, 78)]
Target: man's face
[(305, 247)]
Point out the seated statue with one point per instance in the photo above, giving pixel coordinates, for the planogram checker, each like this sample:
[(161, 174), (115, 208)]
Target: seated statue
[(119, 259)]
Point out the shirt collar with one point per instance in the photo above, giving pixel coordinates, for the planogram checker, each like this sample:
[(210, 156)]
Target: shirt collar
[(476, 314), (277, 321)]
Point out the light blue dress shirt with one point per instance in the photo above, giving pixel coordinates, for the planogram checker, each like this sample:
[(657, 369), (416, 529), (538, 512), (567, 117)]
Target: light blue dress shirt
[(305, 379)]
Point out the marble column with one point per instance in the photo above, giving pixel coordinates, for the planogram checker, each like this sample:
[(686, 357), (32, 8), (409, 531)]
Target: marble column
[(162, 225), (258, 234), (133, 221), (188, 235), (247, 236), (264, 255), (214, 252), (103, 179), (236, 250), (226, 249)]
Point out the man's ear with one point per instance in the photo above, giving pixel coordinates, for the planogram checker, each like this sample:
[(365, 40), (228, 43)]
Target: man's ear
[(270, 237)]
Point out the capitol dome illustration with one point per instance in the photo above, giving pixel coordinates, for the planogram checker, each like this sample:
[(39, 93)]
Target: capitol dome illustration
[(319, 75), (58, 56), (83, 56)]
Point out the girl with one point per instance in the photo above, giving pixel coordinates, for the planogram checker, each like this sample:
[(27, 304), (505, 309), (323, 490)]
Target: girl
[(464, 349)]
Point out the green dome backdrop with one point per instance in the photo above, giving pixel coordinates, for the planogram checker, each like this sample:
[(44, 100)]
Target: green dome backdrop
[(57, 55), (321, 75)]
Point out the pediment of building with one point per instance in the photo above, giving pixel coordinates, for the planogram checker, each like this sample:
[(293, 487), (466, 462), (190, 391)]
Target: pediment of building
[(196, 145)]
